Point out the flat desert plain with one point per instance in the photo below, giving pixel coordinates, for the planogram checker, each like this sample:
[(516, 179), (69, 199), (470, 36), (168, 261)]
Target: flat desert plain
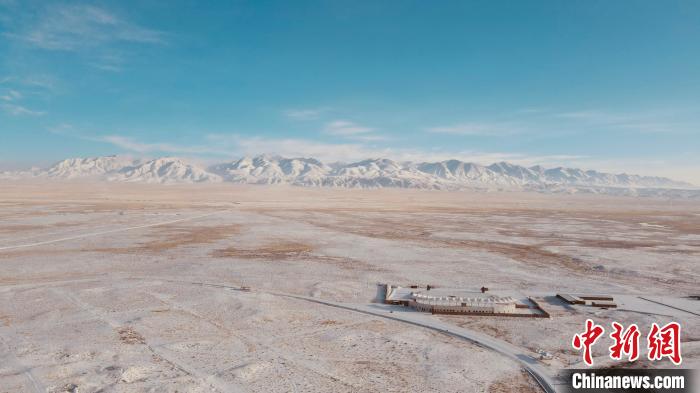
[(109, 287)]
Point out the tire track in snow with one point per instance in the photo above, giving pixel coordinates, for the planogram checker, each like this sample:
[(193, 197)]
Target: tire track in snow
[(184, 367), (95, 234)]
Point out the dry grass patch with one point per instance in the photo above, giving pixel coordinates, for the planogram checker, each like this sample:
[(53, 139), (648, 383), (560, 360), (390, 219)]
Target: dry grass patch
[(27, 252), (280, 250), (618, 244), (175, 236), (128, 335), (685, 225), (20, 228), (521, 382), (170, 236), (419, 233)]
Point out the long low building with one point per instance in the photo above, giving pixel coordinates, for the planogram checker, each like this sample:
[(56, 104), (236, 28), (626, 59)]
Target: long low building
[(462, 305), (428, 298)]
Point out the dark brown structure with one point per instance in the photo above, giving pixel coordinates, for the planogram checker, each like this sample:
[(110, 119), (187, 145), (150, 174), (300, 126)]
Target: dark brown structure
[(596, 297), (571, 299), (604, 304)]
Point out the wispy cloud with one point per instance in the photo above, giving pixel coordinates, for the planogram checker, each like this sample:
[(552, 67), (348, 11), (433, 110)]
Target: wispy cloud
[(107, 67), (305, 114), (353, 131), (76, 27), (19, 110), (290, 147), (11, 95), (368, 138), (531, 110), (345, 128), (236, 145), (133, 145), (17, 95), (477, 128), (331, 152), (642, 122), (43, 82), (542, 122), (35, 84), (113, 62)]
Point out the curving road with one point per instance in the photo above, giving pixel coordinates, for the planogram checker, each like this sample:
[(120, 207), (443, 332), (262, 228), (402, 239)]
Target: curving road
[(541, 374)]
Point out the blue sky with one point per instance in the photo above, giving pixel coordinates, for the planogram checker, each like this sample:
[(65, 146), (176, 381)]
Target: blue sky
[(594, 84)]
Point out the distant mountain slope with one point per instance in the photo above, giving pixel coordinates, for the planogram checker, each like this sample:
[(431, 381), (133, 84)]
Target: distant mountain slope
[(164, 170), (371, 173), (73, 168), (379, 173), (273, 170)]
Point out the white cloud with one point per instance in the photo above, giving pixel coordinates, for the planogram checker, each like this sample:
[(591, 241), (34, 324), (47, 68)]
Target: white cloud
[(545, 122), (345, 128), (586, 115), (475, 128), (291, 147), (43, 82), (331, 152), (113, 62), (531, 110), (651, 122), (11, 95), (131, 144), (65, 129), (367, 138), (352, 131), (41, 85), (234, 145), (75, 27), (305, 114), (107, 67), (19, 110)]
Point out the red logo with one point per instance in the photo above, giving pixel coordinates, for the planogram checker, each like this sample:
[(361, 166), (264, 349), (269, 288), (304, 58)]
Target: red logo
[(665, 342), (586, 340), (662, 342), (625, 343)]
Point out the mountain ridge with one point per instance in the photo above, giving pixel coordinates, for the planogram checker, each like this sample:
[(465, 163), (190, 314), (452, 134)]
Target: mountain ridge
[(370, 173)]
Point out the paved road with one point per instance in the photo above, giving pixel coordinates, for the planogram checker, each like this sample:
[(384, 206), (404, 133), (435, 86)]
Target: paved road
[(539, 372), (669, 306)]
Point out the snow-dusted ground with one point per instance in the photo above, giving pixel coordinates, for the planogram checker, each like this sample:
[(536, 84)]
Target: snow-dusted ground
[(100, 283)]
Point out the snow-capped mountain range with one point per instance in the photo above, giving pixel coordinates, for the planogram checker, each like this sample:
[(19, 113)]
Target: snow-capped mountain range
[(372, 173)]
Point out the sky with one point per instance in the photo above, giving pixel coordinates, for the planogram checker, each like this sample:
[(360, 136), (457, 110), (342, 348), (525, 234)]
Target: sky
[(612, 86)]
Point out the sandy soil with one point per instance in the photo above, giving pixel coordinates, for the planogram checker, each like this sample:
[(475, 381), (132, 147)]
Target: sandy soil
[(100, 286)]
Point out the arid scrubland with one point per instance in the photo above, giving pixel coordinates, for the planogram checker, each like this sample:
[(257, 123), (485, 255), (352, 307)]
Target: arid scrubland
[(120, 287)]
